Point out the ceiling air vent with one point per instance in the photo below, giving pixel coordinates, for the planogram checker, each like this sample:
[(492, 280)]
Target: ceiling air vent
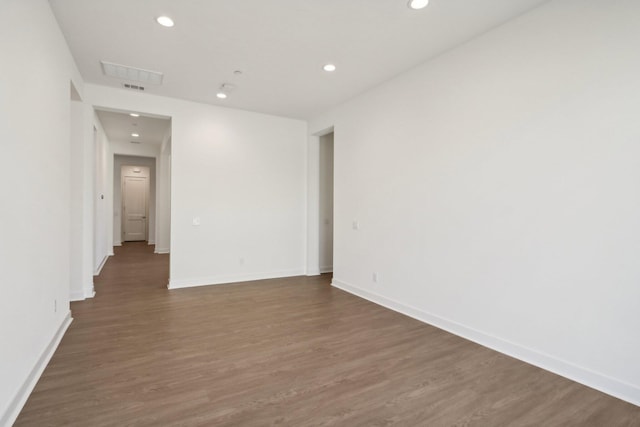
[(132, 74), (135, 142), (130, 86)]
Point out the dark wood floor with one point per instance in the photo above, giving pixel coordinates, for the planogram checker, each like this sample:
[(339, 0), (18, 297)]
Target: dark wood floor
[(289, 352)]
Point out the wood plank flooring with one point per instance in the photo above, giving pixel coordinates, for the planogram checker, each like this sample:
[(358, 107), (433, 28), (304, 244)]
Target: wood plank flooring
[(286, 352)]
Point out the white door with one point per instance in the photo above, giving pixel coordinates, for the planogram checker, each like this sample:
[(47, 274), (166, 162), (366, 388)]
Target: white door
[(134, 208)]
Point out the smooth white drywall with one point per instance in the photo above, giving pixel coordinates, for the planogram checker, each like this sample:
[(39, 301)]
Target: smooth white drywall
[(242, 174), (496, 189), (82, 202), (125, 148), (77, 273), (163, 197), (148, 170), (326, 203), (312, 265), (102, 186), (35, 108)]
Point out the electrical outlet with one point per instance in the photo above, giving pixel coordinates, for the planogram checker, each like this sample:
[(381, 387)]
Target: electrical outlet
[(241, 261), (355, 225)]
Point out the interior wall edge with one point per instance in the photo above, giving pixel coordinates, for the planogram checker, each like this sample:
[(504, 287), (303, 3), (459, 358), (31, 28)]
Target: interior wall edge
[(76, 296), (611, 386), (21, 396), (89, 292), (312, 196), (102, 263), (226, 279)]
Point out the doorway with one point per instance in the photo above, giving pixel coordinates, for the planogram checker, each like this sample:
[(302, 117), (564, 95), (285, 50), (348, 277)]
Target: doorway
[(326, 203), (134, 199), (135, 203), (137, 180)]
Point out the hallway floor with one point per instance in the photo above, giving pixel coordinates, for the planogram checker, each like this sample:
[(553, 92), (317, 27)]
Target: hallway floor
[(290, 352)]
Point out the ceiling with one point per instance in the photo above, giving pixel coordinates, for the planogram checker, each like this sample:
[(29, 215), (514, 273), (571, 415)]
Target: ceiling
[(119, 127), (279, 45)]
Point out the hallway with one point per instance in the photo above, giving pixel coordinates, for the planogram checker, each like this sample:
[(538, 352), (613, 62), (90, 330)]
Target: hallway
[(291, 352)]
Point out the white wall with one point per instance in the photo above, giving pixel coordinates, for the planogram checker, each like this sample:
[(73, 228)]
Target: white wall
[(163, 195), (102, 187), (496, 189), (312, 267), (82, 218), (35, 186), (326, 203), (149, 165), (242, 174), (125, 148), (81, 246)]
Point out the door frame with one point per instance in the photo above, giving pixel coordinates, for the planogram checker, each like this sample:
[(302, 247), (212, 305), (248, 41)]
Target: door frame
[(147, 191)]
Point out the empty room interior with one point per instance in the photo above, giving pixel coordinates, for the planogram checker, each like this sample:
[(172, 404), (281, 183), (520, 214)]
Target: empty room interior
[(305, 213)]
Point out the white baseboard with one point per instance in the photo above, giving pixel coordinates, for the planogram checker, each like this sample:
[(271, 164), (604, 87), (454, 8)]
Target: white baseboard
[(314, 272), (151, 242), (102, 263), (117, 244), (326, 269), (219, 280), (77, 296), (14, 408), (161, 251), (88, 292), (598, 381)]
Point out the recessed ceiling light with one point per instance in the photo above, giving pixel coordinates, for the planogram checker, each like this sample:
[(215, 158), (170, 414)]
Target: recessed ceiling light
[(135, 135), (223, 91), (418, 4), (165, 21), (134, 114), (329, 67)]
